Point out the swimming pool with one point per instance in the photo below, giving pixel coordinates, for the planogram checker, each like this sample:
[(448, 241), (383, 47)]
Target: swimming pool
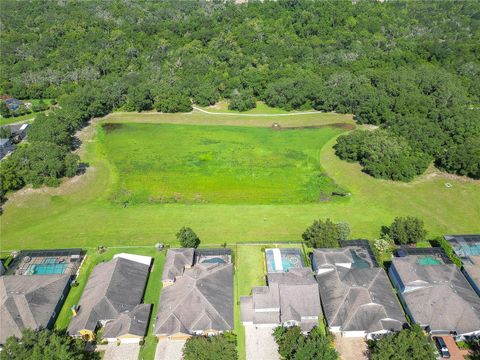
[(282, 260), (428, 260), (49, 266), (215, 260)]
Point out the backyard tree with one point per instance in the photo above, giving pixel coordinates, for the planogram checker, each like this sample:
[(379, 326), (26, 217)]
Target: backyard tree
[(293, 345), (219, 347), (407, 230), (187, 238), (45, 344), (322, 233), (5, 132), (406, 344), (4, 110), (343, 230)]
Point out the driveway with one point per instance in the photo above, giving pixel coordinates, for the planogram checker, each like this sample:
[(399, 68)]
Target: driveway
[(121, 352), (351, 348), (169, 349), (260, 343), (455, 352)]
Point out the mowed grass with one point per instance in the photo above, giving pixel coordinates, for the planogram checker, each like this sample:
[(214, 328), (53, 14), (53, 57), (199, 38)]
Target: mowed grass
[(261, 108), (80, 212), (164, 163)]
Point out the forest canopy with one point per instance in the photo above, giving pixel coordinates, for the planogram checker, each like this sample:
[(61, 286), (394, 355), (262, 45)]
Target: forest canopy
[(409, 67)]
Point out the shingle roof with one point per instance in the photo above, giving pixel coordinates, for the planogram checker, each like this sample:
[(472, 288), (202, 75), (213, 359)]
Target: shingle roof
[(438, 296), (356, 297), (28, 301), (134, 322), (176, 261), (201, 299), (113, 288), (288, 296)]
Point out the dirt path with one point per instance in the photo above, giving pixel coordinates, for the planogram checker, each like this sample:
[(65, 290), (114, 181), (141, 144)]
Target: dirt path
[(254, 115)]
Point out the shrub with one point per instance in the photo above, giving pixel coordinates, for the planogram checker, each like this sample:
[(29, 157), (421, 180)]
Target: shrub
[(187, 238), (407, 230), (447, 248), (322, 233), (219, 347)]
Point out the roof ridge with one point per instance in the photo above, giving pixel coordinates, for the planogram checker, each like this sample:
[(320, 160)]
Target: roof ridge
[(213, 307), (343, 300), (116, 260)]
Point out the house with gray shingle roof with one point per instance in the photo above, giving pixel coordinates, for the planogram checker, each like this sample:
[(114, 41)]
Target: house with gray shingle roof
[(113, 298), (290, 298), (436, 295), (31, 301), (357, 297), (198, 302), (176, 262)]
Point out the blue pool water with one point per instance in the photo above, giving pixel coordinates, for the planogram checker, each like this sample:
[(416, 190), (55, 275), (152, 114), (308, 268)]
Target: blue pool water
[(215, 260), (47, 269), (286, 264), (49, 266)]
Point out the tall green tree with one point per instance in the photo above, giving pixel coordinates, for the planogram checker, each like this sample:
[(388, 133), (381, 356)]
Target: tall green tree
[(187, 238), (406, 344), (45, 344), (322, 234), (407, 230)]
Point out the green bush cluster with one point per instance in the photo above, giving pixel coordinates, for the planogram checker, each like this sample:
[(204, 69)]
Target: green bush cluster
[(382, 154), (218, 347)]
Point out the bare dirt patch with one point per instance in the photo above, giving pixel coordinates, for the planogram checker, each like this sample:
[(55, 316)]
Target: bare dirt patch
[(351, 348), (344, 126), (111, 127)]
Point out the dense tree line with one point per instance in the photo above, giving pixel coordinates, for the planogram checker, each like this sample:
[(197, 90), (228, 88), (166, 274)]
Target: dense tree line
[(409, 67)]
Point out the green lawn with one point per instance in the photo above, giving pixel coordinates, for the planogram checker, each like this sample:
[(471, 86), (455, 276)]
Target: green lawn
[(11, 120), (164, 163), (261, 108), (80, 213)]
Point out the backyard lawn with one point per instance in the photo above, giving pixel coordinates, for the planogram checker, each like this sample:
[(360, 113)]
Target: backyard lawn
[(80, 213)]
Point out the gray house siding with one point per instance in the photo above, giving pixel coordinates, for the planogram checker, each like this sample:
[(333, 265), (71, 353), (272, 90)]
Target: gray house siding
[(471, 281), (61, 300)]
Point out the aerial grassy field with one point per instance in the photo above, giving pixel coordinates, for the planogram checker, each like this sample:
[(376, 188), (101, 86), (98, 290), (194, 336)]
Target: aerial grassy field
[(164, 163), (81, 211)]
